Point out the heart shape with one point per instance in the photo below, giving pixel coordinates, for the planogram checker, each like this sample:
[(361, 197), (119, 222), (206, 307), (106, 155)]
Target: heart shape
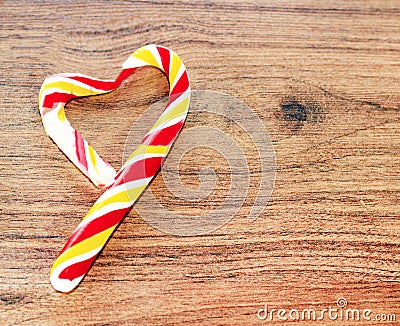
[(122, 187)]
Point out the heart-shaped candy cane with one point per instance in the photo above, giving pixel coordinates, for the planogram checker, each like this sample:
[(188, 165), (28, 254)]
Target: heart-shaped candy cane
[(124, 187)]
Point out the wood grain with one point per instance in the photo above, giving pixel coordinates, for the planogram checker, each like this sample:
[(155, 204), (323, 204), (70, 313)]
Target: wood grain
[(322, 76)]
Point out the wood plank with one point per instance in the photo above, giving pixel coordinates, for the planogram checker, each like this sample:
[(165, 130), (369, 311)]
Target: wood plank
[(323, 78)]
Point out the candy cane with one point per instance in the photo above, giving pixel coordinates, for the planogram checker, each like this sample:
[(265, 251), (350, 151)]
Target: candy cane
[(122, 188)]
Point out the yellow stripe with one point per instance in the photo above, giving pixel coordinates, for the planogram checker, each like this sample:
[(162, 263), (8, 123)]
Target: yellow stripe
[(72, 88), (84, 246), (134, 193), (124, 196), (147, 56), (173, 113), (92, 155), (174, 68), (118, 197), (144, 149), (61, 114)]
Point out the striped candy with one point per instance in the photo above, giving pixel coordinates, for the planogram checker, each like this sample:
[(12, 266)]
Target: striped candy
[(122, 188)]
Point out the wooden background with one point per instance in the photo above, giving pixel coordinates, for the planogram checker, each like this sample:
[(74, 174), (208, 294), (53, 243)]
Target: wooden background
[(322, 76)]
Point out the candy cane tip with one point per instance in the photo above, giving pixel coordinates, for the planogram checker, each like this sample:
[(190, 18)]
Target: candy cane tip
[(63, 285)]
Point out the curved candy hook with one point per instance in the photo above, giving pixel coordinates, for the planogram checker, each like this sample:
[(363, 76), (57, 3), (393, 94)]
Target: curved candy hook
[(122, 188)]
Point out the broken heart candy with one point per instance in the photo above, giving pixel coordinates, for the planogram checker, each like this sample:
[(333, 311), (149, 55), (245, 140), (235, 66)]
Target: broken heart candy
[(124, 187)]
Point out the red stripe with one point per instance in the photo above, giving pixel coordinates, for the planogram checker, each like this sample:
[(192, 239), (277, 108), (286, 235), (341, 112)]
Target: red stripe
[(99, 84), (171, 99), (123, 75), (56, 97), (165, 59), (163, 137), (104, 85), (96, 226), (78, 269), (182, 84), (80, 150), (145, 168)]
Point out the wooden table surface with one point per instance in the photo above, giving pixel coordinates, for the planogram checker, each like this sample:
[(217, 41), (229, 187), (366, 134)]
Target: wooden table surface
[(323, 77)]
